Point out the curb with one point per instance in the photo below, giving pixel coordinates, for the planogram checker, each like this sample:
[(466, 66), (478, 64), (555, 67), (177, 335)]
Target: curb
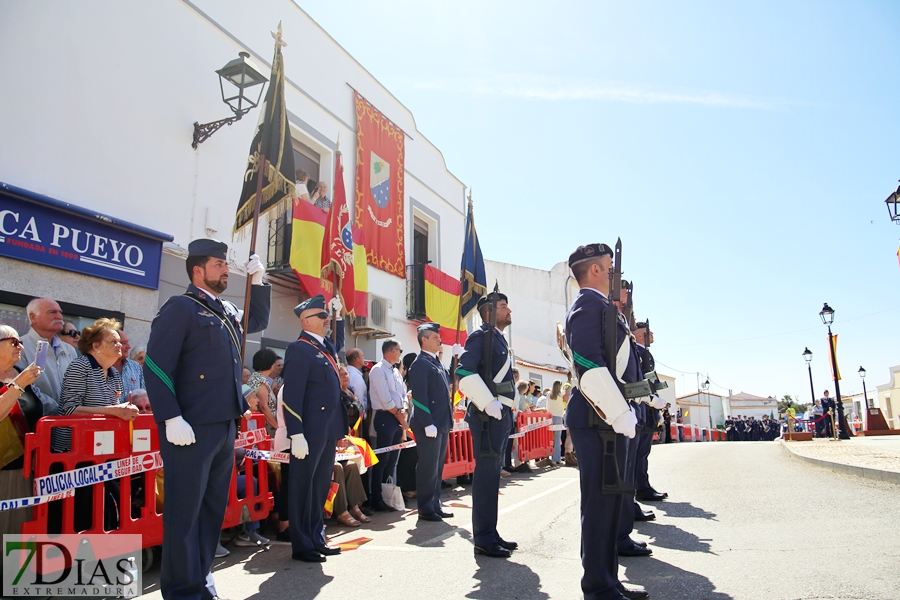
[(838, 467)]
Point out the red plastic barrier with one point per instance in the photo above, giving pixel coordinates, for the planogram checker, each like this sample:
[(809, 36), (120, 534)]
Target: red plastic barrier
[(258, 499), (535, 444), (673, 432), (688, 432), (460, 459), (111, 435), (90, 435)]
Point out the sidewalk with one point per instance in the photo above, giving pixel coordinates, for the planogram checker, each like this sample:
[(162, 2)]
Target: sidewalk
[(872, 457)]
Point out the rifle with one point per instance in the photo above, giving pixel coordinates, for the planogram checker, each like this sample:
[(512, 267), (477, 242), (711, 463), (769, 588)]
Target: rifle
[(628, 306)]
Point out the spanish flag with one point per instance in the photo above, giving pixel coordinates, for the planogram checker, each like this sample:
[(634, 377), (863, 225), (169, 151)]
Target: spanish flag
[(307, 233), (329, 500), (834, 354), (442, 304), (369, 456)]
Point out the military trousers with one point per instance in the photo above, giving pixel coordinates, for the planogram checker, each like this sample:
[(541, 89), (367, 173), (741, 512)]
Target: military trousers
[(309, 484), (489, 441), (626, 518), (642, 461), (599, 515), (196, 482), (432, 452)]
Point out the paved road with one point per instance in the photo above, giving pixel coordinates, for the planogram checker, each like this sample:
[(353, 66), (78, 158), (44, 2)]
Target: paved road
[(745, 522)]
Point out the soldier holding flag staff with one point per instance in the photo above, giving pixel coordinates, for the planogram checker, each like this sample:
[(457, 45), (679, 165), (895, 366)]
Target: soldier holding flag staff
[(486, 378), (193, 374), (431, 421)]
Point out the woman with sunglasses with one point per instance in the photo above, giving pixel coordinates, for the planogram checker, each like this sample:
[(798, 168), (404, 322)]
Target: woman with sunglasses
[(20, 409)]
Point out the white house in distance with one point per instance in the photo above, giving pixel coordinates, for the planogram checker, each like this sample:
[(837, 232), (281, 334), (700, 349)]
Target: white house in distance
[(749, 405), (888, 399)]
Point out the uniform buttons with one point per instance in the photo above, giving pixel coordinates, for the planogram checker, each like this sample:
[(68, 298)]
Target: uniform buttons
[(201, 377), (323, 408), (212, 322), (235, 361)]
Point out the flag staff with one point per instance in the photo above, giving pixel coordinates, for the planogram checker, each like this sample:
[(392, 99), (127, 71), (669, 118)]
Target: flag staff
[(334, 277), (253, 231), (462, 276)]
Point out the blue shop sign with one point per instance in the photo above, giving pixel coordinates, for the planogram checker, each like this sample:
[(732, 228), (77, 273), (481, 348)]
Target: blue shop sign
[(49, 232)]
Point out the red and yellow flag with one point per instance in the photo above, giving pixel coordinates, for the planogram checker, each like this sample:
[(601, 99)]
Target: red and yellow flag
[(307, 234), (834, 353), (369, 456), (442, 304), (329, 500)]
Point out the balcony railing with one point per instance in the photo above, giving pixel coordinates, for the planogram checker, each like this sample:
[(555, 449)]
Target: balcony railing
[(415, 292)]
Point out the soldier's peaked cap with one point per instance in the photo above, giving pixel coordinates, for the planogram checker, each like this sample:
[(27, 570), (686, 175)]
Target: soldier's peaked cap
[(208, 247), (314, 302), (498, 296), (435, 327), (588, 252)]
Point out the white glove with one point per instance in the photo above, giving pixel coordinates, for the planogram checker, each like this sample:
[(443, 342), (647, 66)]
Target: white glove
[(431, 431), (179, 431), (495, 409), (657, 402), (299, 447), (255, 269), (625, 424), (457, 350), (336, 305)]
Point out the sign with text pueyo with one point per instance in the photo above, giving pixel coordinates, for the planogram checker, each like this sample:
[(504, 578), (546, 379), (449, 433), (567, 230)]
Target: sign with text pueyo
[(72, 565), (44, 235)]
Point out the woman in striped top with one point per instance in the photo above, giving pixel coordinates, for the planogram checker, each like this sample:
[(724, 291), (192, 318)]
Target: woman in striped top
[(91, 386)]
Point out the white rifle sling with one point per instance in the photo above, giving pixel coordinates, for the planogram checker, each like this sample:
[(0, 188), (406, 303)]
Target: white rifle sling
[(598, 386), (476, 390)]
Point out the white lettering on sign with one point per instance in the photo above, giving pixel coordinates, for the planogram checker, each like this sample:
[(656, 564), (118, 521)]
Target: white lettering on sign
[(3, 215), (59, 232), (99, 246), (87, 241), (138, 252), (31, 227), (116, 249)]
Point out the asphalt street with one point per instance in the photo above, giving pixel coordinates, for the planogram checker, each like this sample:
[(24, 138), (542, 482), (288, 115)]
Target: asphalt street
[(743, 521)]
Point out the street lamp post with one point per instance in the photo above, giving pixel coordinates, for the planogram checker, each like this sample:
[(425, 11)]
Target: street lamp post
[(893, 205), (708, 405), (807, 356), (243, 75), (827, 314), (865, 403)]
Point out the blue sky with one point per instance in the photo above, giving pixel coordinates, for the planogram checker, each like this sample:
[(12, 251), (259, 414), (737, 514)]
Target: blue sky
[(742, 151)]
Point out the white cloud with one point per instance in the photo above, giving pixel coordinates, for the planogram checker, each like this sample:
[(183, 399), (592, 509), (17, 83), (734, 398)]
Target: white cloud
[(549, 90)]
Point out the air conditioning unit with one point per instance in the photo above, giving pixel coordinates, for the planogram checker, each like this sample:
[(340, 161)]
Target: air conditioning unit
[(378, 323)]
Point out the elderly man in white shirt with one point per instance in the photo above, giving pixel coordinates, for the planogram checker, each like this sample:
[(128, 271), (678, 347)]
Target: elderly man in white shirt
[(386, 396), (355, 362), (46, 320)]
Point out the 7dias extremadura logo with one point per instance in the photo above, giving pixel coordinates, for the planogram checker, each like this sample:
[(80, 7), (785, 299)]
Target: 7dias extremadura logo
[(72, 565)]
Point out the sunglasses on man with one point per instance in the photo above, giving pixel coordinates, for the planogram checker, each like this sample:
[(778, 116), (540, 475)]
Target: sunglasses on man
[(71, 333), (16, 342)]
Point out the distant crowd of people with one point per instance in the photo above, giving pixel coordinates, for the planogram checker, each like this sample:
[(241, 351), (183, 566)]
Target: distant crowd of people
[(751, 429)]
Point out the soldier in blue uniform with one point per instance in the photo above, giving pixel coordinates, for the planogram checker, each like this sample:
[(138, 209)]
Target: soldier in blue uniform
[(487, 381), (193, 375), (315, 421), (598, 416), (431, 421), (645, 491)]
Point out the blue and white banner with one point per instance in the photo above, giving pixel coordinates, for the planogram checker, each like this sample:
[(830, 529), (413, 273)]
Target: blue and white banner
[(43, 234)]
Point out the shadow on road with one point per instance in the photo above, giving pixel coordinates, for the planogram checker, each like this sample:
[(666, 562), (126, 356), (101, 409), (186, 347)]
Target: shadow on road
[(502, 578), (285, 577), (683, 510), (669, 536), (663, 580)]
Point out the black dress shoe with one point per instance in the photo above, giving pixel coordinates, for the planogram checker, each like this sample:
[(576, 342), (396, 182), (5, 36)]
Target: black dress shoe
[(645, 515), (435, 518), (634, 592), (650, 495), (507, 545), (328, 550), (284, 536), (641, 544), (444, 515), (495, 551), (635, 550), (382, 507), (310, 556)]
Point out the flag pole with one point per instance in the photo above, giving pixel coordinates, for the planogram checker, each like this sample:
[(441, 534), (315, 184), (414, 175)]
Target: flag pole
[(253, 230), (334, 281), (462, 275)]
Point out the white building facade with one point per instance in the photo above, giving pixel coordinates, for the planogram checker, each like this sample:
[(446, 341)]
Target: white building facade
[(96, 133)]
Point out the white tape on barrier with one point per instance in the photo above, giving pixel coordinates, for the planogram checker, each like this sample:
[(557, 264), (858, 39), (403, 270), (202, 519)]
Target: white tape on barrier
[(85, 476), (251, 438), (34, 500)]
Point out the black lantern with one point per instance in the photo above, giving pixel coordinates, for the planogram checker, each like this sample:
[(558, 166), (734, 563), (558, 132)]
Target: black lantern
[(807, 355), (243, 75), (827, 314), (892, 201)]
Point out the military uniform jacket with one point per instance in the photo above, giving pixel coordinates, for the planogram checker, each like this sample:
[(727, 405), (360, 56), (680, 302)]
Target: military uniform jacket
[(430, 386), (312, 392), (648, 365), (193, 365), (470, 361), (584, 334)]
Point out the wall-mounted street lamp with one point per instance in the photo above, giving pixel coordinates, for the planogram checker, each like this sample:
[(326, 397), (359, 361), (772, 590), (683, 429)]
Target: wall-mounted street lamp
[(892, 205), (243, 75)]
